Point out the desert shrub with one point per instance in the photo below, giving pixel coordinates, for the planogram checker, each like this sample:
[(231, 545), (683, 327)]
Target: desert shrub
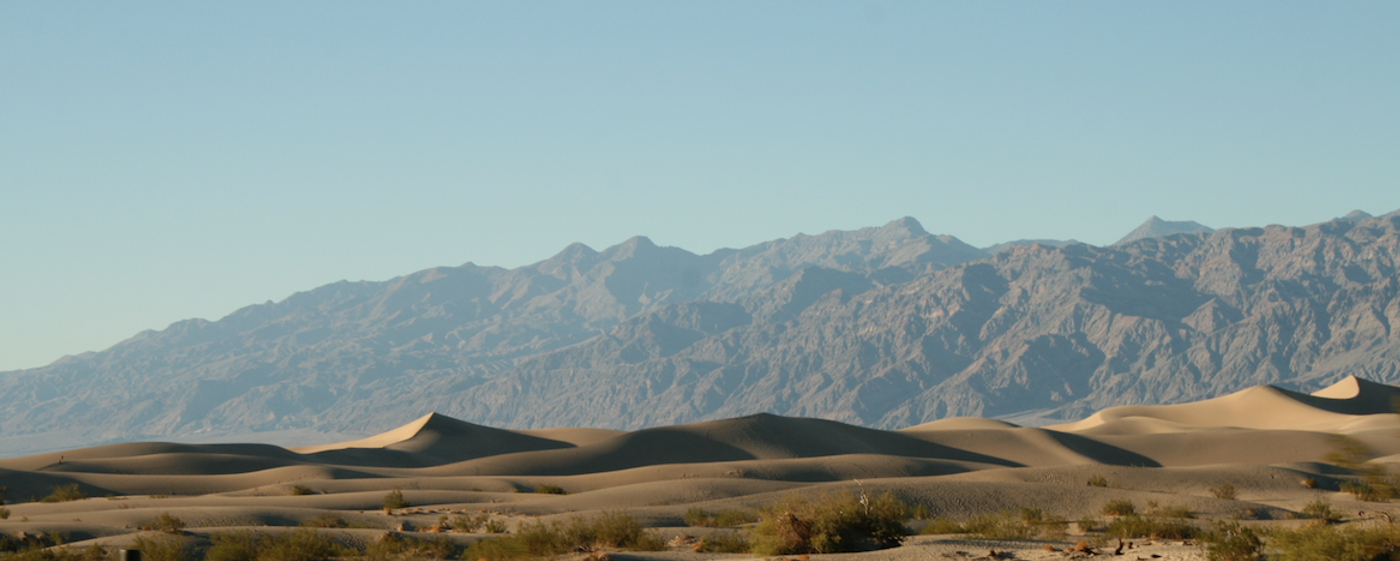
[(920, 512), (1089, 524), (1320, 510), (395, 500), (4, 513), (1097, 480), (397, 546), (547, 489), (1172, 512), (1309, 482), (943, 526), (325, 520), (469, 522), (494, 527), (1119, 507), (1366, 491), (165, 523), (537, 539), (829, 524), (1322, 542), (1135, 526), (1029, 523), (233, 546), (65, 493), (302, 544), (1231, 541), (162, 548), (1224, 491), (301, 490), (723, 542), (696, 516)]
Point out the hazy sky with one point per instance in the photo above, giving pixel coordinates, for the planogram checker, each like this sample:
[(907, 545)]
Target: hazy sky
[(162, 161)]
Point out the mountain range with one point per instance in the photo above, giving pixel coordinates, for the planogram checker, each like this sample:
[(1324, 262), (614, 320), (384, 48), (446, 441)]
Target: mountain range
[(882, 327)]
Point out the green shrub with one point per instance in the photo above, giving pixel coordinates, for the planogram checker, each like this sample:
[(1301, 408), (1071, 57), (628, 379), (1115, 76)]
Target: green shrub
[(1224, 491), (943, 526), (1322, 542), (1097, 480), (1369, 491), (233, 546), (1030, 523), (4, 513), (65, 493), (723, 542), (1172, 512), (696, 516), (1320, 510), (165, 523), (829, 524), (398, 546), (547, 489), (1120, 507), (537, 539), (162, 548), (469, 522), (1230, 541), (301, 490), (301, 544), (1135, 526), (920, 512), (395, 500), (325, 520)]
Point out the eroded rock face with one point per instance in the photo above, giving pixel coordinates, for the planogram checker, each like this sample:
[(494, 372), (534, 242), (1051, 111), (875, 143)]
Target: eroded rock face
[(886, 327)]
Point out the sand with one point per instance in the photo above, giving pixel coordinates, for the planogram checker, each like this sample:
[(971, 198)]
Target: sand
[(1264, 442)]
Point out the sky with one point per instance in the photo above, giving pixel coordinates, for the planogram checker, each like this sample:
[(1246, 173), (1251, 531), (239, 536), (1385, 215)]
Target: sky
[(161, 161)]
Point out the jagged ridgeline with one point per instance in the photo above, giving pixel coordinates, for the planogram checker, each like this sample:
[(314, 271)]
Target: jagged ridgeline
[(883, 327)]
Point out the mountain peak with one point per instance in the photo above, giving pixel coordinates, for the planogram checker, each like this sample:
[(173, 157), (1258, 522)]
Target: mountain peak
[(907, 225), (1155, 227), (1356, 216)]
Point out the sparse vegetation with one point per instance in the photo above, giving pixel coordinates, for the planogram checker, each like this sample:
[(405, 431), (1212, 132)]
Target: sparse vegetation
[(1322, 542), (829, 524), (1136, 526), (325, 520), (1309, 482), (1320, 510), (161, 548), (395, 500), (399, 546), (547, 489), (64, 493), (728, 517), (165, 523), (723, 542), (1352, 455), (1097, 480), (1119, 507), (4, 513), (301, 490), (537, 539), (1224, 490), (1029, 523), (1231, 541)]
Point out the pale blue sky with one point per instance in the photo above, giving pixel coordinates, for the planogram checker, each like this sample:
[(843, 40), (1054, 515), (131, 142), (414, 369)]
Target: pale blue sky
[(162, 161)]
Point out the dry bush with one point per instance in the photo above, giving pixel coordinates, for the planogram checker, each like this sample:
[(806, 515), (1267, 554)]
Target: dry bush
[(829, 524)]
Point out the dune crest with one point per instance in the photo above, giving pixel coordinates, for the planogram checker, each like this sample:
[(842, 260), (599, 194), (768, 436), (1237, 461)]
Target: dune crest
[(1349, 405)]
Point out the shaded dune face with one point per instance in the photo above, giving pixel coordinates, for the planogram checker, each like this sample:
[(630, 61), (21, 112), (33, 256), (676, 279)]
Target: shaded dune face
[(1260, 425)]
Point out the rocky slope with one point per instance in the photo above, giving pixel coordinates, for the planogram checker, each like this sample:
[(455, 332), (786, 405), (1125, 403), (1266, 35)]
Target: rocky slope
[(885, 327)]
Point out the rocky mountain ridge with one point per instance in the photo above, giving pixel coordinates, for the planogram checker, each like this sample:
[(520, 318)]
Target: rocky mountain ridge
[(884, 327)]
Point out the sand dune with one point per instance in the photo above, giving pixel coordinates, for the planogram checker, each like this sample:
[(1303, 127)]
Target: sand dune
[(1263, 440)]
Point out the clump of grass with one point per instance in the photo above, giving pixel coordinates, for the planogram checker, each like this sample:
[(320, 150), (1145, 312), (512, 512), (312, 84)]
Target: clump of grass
[(723, 542), (1231, 541), (165, 523), (325, 520), (301, 490), (1368, 492), (537, 539), (162, 548), (398, 546), (1136, 526), (1224, 490), (1029, 523), (1320, 510), (395, 500), (1309, 482), (64, 493), (1097, 480), (547, 489), (4, 513), (696, 516), (1119, 507), (829, 524), (943, 526), (1336, 543)]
